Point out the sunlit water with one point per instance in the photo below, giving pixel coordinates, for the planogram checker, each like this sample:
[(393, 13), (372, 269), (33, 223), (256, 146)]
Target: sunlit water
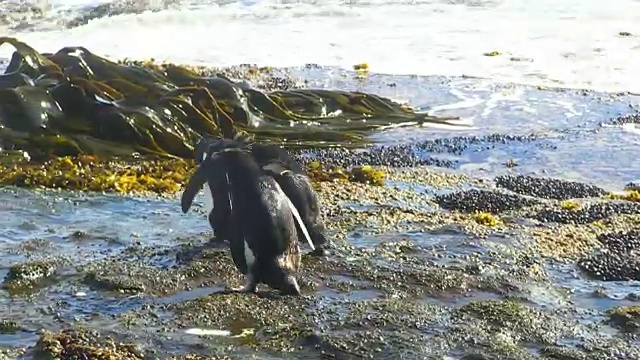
[(572, 43)]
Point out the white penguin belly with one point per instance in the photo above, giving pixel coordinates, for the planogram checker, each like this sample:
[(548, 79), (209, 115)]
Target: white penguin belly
[(249, 257), (208, 198)]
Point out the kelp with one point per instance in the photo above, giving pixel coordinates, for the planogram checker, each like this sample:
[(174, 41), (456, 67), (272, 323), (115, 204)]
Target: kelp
[(74, 102)]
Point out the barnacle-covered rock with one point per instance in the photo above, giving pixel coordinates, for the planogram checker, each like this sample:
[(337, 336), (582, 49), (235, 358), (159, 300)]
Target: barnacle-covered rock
[(621, 241)]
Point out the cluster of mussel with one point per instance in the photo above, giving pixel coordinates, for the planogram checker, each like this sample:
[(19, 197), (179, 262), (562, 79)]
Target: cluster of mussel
[(75, 102), (261, 201)]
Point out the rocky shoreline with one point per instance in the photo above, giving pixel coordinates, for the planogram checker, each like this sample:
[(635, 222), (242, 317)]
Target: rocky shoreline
[(431, 264)]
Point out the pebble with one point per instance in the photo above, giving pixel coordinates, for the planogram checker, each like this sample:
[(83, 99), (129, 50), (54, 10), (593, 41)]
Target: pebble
[(548, 188), (483, 201)]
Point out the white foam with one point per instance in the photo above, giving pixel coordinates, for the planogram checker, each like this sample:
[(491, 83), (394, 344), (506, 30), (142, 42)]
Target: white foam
[(631, 128), (572, 43)]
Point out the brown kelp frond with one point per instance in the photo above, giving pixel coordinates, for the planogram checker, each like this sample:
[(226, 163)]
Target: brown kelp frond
[(75, 102)]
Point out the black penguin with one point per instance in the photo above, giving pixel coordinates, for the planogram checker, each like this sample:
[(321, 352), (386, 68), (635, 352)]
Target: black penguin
[(216, 194), (262, 229), (276, 162)]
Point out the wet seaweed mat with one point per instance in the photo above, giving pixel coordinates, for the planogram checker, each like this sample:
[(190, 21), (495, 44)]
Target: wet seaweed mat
[(74, 102)]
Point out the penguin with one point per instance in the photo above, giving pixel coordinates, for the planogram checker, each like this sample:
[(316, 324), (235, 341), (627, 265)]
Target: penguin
[(293, 180), (216, 197), (263, 222)]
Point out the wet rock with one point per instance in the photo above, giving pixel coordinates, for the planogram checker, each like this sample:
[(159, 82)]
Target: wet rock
[(307, 325), (28, 275), (562, 353), (511, 317), (625, 317), (494, 202), (588, 213), (12, 353), (409, 155), (457, 144), (9, 326), (155, 271), (115, 8), (233, 312), (548, 188), (108, 281), (621, 242), (74, 344), (611, 266)]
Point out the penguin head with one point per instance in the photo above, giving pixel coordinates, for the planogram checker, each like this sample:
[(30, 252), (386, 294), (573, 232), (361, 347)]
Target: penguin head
[(281, 278), (290, 286), (201, 148)]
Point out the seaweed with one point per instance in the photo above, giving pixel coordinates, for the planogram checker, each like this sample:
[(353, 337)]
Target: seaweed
[(144, 176), (74, 102)]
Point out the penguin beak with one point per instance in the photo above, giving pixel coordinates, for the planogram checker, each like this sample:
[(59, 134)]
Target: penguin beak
[(292, 287)]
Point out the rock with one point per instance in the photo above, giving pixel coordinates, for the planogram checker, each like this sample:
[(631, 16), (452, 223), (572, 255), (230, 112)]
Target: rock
[(548, 188)]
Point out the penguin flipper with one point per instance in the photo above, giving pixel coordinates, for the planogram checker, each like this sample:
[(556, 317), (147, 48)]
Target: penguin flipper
[(195, 183)]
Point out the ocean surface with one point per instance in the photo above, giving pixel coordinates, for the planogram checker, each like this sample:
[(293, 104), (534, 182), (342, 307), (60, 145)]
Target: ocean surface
[(568, 43), (564, 68)]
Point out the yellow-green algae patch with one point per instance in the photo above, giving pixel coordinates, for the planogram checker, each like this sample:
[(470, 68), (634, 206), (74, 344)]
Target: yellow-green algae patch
[(140, 176), (162, 176), (83, 344), (628, 195)]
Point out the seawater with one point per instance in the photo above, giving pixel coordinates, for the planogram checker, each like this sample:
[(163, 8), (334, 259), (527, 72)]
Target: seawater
[(566, 43)]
